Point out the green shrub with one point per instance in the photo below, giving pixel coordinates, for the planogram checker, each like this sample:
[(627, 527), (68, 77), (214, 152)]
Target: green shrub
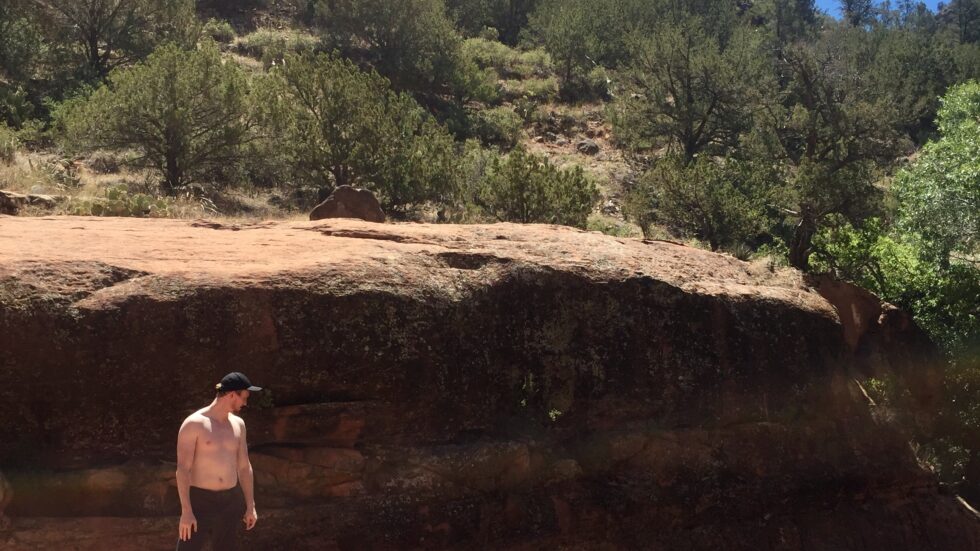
[(15, 107), (489, 33), (219, 30), (338, 125), (775, 254), (708, 200), (528, 108), (182, 112), (527, 188), (487, 53), (274, 44), (413, 43), (119, 202), (8, 144), (229, 8), (34, 136), (541, 89), (499, 126), (508, 62)]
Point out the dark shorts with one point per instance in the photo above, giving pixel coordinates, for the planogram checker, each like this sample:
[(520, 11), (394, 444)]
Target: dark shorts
[(219, 516)]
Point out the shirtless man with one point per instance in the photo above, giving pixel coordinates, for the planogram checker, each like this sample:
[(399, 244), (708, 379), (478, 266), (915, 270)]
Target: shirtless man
[(214, 475)]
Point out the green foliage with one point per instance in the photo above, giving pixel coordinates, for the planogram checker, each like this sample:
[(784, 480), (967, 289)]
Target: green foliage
[(411, 42), (117, 201), (534, 90), (965, 20), (913, 69), (21, 51), (230, 8), (957, 448), (940, 193), (185, 112), (895, 267), (474, 166), (775, 254), (15, 107), (219, 30), (901, 268), (271, 45), (685, 86), (8, 143), (786, 21), (339, 125), (524, 73), (505, 17), (508, 62), (526, 188), (708, 200), (581, 35), (827, 129), (106, 34), (499, 126), (857, 13), (21, 43), (567, 28)]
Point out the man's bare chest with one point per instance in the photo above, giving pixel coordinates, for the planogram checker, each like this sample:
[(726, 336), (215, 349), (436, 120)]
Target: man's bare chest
[(219, 437)]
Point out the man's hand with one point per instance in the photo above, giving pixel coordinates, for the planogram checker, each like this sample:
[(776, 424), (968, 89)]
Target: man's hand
[(187, 523), (250, 518)]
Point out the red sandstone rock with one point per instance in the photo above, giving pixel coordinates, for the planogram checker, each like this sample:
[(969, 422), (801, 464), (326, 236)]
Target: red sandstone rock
[(349, 202), (886, 342), (452, 387)]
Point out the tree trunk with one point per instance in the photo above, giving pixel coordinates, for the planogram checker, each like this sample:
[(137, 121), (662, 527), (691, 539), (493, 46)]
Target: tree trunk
[(690, 150), (800, 245), (341, 175), (95, 57), (173, 173)]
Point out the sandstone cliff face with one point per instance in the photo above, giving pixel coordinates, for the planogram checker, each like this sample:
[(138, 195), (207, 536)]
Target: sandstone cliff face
[(448, 387)]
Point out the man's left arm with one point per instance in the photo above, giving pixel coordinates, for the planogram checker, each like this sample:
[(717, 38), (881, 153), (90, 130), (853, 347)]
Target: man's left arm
[(247, 481)]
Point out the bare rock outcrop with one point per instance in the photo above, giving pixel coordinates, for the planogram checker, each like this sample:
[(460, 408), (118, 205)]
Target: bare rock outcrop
[(887, 344), (11, 202), (349, 202), (452, 387)]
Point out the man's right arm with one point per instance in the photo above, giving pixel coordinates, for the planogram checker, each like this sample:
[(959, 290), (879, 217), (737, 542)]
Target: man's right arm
[(186, 443)]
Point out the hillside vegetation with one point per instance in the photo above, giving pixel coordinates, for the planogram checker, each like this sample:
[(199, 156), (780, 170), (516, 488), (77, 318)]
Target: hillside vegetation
[(846, 143)]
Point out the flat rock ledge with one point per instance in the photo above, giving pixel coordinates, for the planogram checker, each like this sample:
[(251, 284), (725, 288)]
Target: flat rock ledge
[(456, 387)]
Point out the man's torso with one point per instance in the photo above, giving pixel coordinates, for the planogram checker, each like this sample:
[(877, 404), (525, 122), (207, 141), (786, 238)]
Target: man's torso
[(216, 450)]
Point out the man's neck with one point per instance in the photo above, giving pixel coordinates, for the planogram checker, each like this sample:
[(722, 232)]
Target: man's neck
[(218, 410)]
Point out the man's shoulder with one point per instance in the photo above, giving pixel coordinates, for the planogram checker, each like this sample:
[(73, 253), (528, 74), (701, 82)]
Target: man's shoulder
[(236, 419), (194, 420)]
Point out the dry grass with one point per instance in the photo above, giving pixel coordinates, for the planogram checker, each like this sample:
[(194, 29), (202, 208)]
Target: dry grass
[(31, 173), (248, 63), (77, 185)]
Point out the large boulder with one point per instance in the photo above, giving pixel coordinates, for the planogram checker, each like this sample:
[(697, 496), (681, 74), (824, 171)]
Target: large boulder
[(349, 202), (587, 147), (11, 202), (452, 387)]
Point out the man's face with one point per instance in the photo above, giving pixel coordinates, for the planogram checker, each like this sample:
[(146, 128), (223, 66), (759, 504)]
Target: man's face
[(239, 400)]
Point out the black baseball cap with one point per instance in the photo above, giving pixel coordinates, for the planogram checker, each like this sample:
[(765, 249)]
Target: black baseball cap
[(236, 381)]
